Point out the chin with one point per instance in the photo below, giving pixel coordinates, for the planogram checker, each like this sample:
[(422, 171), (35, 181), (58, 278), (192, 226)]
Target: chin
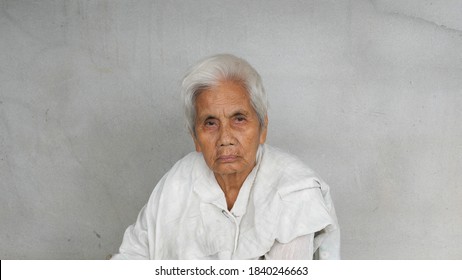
[(226, 170)]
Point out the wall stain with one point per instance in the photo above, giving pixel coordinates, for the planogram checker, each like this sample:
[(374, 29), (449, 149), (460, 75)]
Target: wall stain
[(46, 115)]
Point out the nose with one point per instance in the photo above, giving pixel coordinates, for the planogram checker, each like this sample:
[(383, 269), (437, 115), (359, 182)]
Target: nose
[(226, 136)]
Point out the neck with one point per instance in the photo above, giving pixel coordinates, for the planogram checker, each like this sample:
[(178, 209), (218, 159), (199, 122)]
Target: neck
[(230, 184)]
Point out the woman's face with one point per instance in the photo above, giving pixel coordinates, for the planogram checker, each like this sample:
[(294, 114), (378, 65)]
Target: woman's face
[(228, 131)]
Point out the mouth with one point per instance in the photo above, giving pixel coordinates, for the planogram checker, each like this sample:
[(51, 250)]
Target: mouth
[(227, 158)]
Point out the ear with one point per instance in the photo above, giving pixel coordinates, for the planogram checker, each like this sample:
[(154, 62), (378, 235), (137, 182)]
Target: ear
[(196, 143), (264, 131)]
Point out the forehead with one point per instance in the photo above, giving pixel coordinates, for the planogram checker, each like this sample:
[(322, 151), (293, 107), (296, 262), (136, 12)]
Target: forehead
[(226, 95)]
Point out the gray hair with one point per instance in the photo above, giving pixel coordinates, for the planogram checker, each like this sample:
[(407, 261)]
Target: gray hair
[(222, 67)]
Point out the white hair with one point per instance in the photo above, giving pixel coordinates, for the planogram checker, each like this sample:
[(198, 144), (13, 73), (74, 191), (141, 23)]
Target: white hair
[(222, 67)]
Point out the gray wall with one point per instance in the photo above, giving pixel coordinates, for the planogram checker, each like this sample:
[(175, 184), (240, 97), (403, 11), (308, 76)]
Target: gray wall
[(368, 93)]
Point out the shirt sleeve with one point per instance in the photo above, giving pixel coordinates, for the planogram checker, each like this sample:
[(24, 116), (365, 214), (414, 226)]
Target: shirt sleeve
[(138, 241), (135, 242), (301, 248), (327, 245), (312, 211)]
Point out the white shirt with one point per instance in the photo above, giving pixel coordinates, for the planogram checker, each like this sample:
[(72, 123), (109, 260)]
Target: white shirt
[(283, 211)]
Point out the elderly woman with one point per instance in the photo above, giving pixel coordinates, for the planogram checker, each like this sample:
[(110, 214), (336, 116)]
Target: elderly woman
[(235, 197)]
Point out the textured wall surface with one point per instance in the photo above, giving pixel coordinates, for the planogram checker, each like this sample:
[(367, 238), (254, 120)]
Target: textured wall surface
[(368, 93)]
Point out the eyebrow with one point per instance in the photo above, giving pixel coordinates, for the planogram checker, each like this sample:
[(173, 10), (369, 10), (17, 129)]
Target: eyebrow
[(208, 117), (240, 112), (233, 114)]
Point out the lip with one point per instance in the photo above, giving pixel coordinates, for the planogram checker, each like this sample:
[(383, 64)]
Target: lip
[(230, 158)]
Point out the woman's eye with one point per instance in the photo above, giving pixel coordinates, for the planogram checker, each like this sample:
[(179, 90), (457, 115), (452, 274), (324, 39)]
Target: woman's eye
[(240, 119), (210, 123)]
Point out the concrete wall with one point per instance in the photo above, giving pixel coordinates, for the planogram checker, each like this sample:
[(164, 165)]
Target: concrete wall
[(368, 93)]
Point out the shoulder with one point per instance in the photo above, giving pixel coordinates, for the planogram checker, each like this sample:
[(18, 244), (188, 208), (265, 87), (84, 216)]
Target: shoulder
[(290, 163), (287, 172), (186, 163), (187, 168), (298, 196), (178, 179), (175, 188)]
